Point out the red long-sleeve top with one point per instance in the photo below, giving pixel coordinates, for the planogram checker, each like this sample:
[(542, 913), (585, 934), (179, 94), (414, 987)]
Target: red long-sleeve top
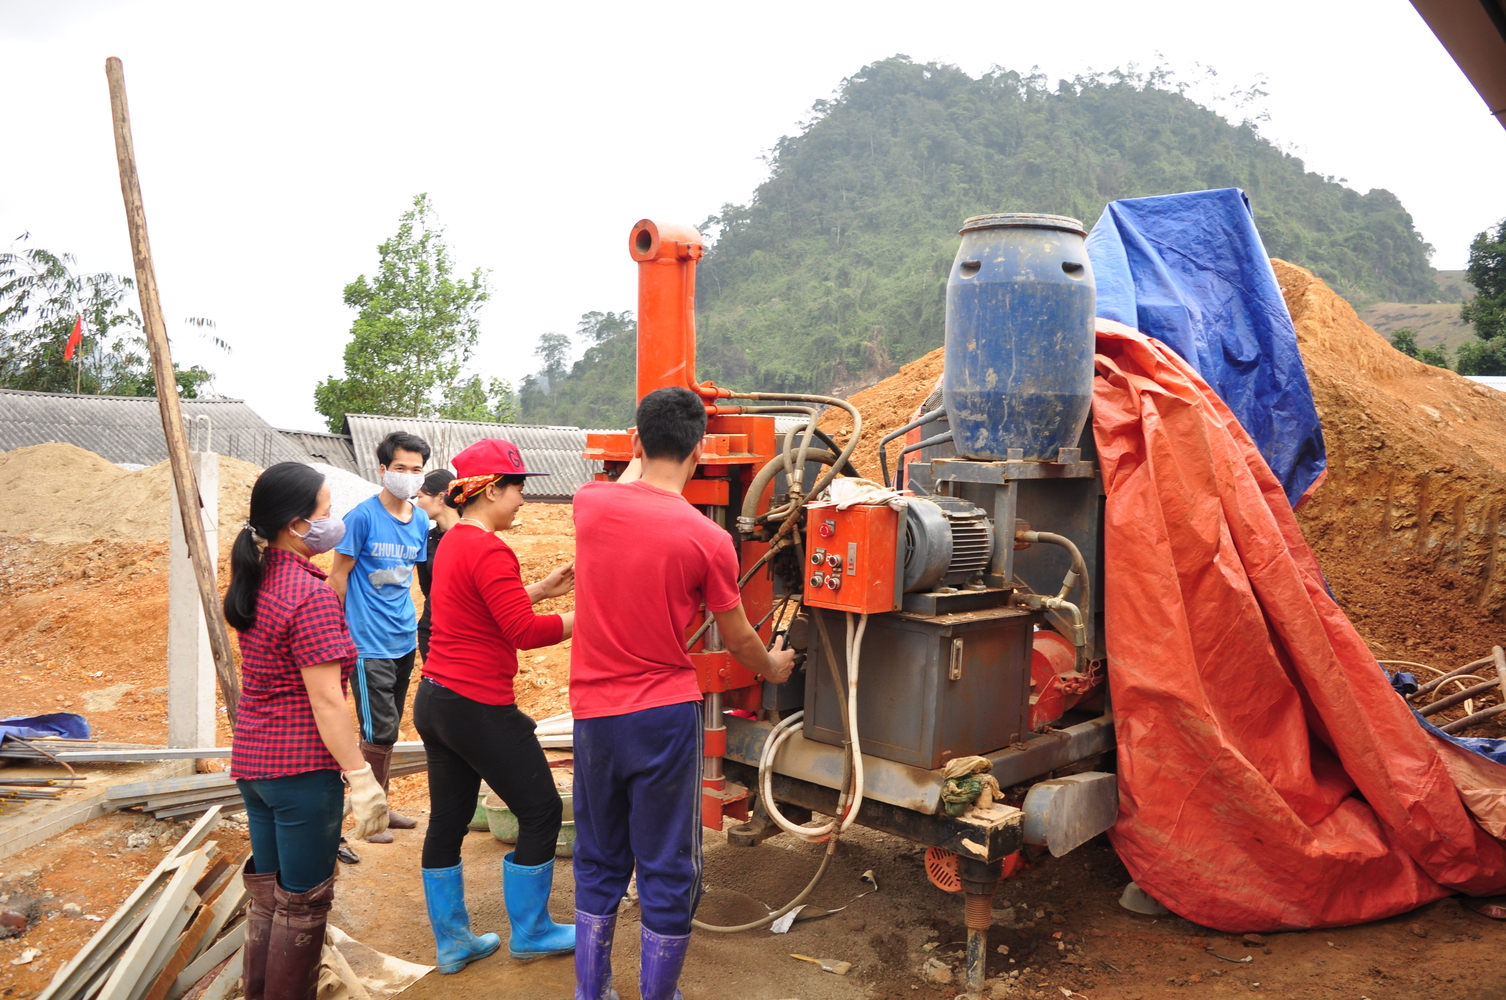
[(481, 617)]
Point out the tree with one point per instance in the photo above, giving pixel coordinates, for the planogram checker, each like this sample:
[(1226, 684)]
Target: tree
[(415, 329), (553, 351), (1405, 341), (1486, 271), (600, 389), (1435, 356), (42, 298), (492, 402)]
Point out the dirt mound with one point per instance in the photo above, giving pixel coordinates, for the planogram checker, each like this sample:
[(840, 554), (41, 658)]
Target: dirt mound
[(62, 493), (1407, 526), (885, 406)]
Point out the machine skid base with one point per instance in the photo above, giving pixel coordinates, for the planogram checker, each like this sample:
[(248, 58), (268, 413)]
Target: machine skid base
[(982, 835)]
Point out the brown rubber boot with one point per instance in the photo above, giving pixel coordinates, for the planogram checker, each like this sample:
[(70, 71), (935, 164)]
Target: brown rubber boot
[(297, 942), (380, 759), (259, 907)]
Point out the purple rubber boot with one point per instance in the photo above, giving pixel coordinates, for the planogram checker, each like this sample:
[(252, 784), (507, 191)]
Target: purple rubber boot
[(593, 956), (662, 959)]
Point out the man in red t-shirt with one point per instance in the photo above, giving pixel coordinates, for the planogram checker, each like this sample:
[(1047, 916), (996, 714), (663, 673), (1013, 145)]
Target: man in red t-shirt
[(646, 561)]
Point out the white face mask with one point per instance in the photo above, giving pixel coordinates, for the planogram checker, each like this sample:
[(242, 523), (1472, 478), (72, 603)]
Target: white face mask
[(403, 485)]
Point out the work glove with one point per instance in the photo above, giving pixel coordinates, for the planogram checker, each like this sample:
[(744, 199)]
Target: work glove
[(367, 801)]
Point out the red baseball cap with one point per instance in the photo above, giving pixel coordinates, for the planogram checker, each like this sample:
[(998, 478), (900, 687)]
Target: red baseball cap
[(491, 457)]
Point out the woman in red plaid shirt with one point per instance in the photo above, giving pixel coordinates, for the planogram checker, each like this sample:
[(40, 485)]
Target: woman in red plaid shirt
[(294, 742)]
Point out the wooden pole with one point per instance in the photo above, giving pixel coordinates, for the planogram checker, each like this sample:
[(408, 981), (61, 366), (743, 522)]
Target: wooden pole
[(184, 485)]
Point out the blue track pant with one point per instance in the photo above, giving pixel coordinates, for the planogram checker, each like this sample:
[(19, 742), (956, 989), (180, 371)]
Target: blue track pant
[(638, 802)]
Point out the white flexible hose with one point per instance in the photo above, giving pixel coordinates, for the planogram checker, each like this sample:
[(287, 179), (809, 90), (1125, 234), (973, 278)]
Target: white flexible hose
[(783, 731), (854, 654), (786, 728)]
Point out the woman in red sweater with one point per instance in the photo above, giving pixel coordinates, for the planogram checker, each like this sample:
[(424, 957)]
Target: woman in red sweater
[(468, 718)]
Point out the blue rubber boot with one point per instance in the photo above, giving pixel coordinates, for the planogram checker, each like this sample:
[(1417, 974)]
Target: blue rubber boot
[(526, 893), (593, 956), (455, 945), (661, 960)]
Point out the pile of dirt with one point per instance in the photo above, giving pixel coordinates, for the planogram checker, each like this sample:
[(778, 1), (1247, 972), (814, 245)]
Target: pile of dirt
[(62, 493), (1407, 526), (885, 406)]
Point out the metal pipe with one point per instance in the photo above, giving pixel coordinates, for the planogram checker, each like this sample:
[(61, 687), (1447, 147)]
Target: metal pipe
[(711, 766), (1457, 697), (979, 916), (1485, 714), (899, 471), (935, 414), (1433, 684), (666, 254)]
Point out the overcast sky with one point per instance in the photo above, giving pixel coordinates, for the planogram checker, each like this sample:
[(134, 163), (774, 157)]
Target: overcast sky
[(278, 143)]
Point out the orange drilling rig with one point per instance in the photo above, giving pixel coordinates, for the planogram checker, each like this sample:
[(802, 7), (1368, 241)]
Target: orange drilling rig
[(950, 687)]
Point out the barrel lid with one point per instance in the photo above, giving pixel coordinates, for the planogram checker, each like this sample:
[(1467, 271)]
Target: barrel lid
[(1023, 220)]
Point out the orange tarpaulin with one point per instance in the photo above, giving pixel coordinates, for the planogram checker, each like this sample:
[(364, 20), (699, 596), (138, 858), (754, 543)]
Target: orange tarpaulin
[(1269, 777)]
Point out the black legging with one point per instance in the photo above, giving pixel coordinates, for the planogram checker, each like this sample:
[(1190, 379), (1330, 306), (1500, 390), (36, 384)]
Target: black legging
[(466, 741)]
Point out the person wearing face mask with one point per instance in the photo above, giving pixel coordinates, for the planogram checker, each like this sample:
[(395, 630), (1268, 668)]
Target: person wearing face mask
[(386, 536), (443, 517), (293, 740), (468, 717)]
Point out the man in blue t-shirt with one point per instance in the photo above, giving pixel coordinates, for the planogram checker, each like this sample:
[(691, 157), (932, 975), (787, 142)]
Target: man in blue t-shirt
[(385, 536)]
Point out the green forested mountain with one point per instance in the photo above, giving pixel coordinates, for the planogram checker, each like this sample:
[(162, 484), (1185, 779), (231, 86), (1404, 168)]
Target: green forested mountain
[(834, 273)]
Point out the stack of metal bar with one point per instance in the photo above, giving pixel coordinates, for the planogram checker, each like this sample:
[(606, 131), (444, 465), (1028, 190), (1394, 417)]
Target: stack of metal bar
[(36, 788), (180, 930), (172, 798)]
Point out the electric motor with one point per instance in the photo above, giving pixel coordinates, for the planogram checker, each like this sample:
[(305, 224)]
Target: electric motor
[(948, 542)]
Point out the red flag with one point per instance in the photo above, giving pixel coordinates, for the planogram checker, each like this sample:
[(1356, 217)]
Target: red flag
[(74, 339)]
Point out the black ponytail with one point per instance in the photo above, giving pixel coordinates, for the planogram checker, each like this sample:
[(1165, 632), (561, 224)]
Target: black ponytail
[(282, 494)]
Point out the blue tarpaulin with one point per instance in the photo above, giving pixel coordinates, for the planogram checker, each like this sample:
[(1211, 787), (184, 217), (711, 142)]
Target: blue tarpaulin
[(1191, 271), (64, 724)]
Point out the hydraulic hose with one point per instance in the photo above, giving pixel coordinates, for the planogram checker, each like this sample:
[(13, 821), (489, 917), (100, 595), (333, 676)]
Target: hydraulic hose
[(764, 921), (847, 470), (852, 440), (797, 466), (1077, 573), (935, 414), (765, 786), (765, 476)]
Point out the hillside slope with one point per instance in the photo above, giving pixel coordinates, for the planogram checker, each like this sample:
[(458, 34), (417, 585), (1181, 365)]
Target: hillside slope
[(833, 275)]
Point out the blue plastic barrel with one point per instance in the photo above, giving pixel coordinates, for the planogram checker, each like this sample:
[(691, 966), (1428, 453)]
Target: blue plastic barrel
[(1019, 336)]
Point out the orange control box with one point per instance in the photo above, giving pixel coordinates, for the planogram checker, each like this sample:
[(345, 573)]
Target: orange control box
[(853, 560)]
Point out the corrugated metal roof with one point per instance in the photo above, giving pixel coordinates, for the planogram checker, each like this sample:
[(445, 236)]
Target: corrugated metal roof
[(128, 429), (331, 449), (555, 450), (1494, 381)]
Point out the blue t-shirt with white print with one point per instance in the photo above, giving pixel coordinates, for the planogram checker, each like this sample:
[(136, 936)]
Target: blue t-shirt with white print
[(378, 595)]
